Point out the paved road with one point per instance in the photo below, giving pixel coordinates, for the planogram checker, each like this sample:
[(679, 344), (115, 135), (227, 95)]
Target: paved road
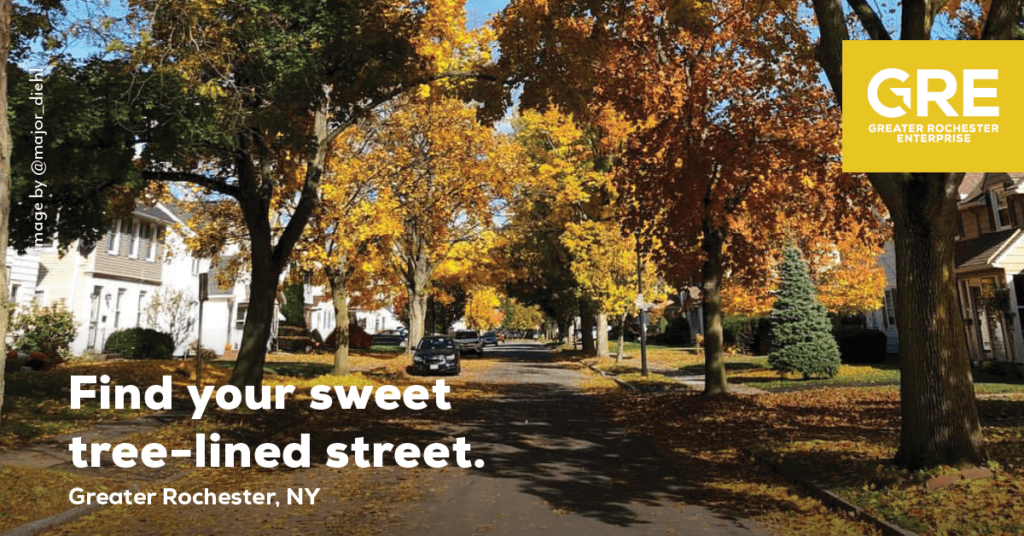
[(554, 465)]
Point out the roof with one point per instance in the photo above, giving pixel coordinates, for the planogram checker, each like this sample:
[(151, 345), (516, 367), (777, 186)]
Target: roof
[(971, 185), (975, 184), (982, 252), (154, 213)]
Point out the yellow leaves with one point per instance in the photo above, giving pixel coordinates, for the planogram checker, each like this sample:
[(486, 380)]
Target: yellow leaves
[(483, 309)]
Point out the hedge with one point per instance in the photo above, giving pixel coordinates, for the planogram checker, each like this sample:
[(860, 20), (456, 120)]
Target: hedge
[(861, 345), (140, 343)]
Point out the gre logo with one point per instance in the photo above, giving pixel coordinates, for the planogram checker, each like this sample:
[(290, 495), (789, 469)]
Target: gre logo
[(940, 98)]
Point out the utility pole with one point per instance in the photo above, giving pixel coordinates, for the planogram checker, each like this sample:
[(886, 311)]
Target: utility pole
[(640, 306)]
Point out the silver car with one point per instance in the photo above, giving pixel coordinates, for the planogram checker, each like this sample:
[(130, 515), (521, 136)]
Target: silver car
[(469, 341)]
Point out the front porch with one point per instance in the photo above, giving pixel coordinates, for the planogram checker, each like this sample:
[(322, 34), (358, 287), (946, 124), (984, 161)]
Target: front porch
[(990, 288)]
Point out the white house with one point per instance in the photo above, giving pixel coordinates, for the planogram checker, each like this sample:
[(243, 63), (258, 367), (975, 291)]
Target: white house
[(110, 287)]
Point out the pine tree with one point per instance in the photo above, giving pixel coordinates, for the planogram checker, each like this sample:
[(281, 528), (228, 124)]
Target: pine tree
[(801, 337)]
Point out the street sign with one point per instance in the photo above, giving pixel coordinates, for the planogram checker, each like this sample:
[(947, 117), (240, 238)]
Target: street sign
[(204, 282)]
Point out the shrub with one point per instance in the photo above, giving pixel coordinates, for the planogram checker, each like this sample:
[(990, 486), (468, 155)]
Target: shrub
[(801, 337), (677, 332), (292, 308), (749, 334), (47, 329), (205, 354), (861, 345), (140, 343), (294, 344)]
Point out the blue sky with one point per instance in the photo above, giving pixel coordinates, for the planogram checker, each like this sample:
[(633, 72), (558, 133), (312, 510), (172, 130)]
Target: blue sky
[(478, 11)]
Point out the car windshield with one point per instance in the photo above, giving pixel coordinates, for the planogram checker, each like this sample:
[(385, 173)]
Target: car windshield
[(465, 334), (436, 344)]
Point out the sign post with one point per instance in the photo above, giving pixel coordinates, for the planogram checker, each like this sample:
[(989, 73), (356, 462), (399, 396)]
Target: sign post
[(204, 280)]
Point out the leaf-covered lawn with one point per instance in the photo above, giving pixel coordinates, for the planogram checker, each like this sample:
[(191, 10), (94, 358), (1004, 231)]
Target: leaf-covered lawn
[(842, 438), (30, 494)]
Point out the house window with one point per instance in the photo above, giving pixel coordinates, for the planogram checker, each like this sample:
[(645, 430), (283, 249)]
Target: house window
[(113, 241), (195, 266), (117, 307), (142, 301), (1002, 209), (14, 293), (133, 249), (146, 241), (126, 230), (889, 314), (240, 313), (38, 297)]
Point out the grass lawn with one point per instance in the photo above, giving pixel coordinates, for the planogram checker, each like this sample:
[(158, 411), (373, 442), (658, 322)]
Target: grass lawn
[(755, 372)]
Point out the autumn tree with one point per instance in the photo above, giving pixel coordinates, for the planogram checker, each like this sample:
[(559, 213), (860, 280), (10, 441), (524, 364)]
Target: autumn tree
[(570, 194), (448, 175), (345, 244), (604, 263), (939, 414), (5, 171), (843, 265), (729, 147), (846, 272), (483, 309), (253, 90), (519, 317)]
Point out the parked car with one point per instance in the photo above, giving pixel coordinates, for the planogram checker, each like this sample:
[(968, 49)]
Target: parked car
[(469, 341), (391, 337), (490, 338), (437, 354)]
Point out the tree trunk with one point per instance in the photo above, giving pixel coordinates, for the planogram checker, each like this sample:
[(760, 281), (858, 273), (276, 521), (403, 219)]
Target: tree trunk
[(940, 414), (587, 329), (711, 274), (5, 177), (602, 335), (339, 293), (417, 275), (622, 338), (262, 295), (417, 314)]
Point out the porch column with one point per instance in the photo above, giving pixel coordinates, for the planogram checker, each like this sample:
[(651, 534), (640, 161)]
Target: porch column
[(1018, 337)]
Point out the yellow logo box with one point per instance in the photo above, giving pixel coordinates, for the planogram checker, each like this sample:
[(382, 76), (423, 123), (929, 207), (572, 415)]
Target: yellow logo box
[(933, 106)]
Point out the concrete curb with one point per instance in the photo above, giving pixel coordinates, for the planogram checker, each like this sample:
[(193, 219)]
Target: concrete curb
[(621, 383), (829, 498), (40, 526)]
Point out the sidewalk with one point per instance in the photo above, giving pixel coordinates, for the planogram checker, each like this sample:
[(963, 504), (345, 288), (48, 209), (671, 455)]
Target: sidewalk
[(54, 452)]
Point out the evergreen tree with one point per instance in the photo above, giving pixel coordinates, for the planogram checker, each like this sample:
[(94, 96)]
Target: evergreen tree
[(801, 337)]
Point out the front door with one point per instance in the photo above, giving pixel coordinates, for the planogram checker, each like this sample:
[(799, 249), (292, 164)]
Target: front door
[(94, 316)]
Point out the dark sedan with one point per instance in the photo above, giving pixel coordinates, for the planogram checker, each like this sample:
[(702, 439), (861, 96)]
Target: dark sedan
[(436, 354), (392, 337)]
